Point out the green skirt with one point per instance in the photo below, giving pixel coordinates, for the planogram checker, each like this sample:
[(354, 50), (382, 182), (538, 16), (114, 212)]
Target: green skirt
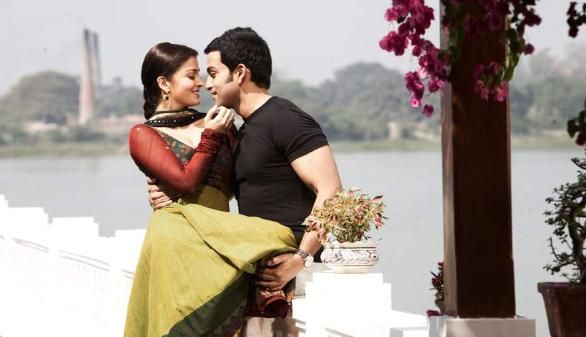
[(195, 268)]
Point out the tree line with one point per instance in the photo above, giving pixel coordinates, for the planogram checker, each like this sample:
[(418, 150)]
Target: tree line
[(356, 104)]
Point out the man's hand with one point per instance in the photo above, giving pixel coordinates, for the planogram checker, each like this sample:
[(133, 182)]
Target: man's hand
[(279, 271), (160, 195)]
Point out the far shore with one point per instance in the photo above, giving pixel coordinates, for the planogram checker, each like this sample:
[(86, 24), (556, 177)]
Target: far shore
[(403, 145)]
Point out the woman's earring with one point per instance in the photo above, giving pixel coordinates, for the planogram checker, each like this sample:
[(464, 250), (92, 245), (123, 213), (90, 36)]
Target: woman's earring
[(166, 96)]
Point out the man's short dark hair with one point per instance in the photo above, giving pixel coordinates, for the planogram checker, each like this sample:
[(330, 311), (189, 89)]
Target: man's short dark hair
[(244, 46)]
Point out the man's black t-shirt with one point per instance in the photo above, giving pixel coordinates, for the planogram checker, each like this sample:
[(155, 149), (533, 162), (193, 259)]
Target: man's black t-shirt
[(266, 185)]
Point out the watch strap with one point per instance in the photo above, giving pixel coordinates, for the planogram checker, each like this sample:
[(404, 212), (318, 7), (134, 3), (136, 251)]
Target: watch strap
[(302, 253)]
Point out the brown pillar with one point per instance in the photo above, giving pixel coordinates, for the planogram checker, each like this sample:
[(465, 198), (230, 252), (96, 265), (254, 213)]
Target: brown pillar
[(479, 274)]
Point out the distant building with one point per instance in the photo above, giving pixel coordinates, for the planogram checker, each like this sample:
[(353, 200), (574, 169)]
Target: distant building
[(412, 130), (395, 131), (39, 126)]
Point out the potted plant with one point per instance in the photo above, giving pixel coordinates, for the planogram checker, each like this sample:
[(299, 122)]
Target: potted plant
[(437, 282), (343, 224), (565, 301)]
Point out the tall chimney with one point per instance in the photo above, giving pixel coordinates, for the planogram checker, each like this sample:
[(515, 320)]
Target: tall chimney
[(87, 107), (96, 62)]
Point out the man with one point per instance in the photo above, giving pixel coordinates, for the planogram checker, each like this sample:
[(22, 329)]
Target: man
[(284, 166)]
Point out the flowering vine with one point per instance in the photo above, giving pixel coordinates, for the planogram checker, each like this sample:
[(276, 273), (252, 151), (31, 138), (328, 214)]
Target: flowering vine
[(576, 18), (414, 18), (411, 19)]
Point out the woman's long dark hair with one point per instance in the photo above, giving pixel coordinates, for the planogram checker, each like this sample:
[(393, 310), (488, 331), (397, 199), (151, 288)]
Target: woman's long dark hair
[(164, 59)]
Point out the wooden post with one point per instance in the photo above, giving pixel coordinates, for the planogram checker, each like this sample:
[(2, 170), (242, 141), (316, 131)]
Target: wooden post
[(479, 275)]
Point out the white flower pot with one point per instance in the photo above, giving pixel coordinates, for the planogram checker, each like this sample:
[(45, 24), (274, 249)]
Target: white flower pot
[(350, 257)]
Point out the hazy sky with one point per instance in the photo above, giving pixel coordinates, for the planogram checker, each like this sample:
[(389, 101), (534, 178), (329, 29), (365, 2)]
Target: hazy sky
[(309, 39)]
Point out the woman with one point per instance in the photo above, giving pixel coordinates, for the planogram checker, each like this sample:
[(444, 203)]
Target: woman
[(195, 268)]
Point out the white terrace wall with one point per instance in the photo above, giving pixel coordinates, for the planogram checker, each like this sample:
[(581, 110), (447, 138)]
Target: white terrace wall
[(60, 278)]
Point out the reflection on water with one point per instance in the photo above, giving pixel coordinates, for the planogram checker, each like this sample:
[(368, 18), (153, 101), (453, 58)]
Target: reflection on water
[(113, 191)]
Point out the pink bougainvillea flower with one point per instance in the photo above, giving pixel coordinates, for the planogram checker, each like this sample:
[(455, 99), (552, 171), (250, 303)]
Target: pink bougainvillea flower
[(421, 18), (411, 77), (431, 313), (529, 49), (581, 139), (427, 110), (391, 14), (500, 92), (435, 85), (384, 43), (418, 92), (416, 40), (416, 51), (404, 28), (415, 102), (481, 89), (495, 68), (572, 9), (414, 85), (395, 43), (531, 19)]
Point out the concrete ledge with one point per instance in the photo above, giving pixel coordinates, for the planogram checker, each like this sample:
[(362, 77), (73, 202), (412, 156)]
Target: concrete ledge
[(408, 332), (356, 305), (445, 326)]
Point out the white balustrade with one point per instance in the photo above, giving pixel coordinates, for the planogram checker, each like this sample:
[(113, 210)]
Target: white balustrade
[(60, 278)]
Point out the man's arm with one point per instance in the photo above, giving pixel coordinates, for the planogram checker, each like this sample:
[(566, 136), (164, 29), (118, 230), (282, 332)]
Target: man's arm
[(159, 194), (318, 171)]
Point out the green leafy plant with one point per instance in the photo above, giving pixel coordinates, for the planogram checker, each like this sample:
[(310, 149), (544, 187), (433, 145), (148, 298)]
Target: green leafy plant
[(437, 282), (438, 286), (347, 217), (568, 217)]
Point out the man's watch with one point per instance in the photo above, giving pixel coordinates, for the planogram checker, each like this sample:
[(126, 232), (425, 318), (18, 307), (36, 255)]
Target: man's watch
[(307, 258)]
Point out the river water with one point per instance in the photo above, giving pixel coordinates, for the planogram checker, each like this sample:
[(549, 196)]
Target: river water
[(113, 191)]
